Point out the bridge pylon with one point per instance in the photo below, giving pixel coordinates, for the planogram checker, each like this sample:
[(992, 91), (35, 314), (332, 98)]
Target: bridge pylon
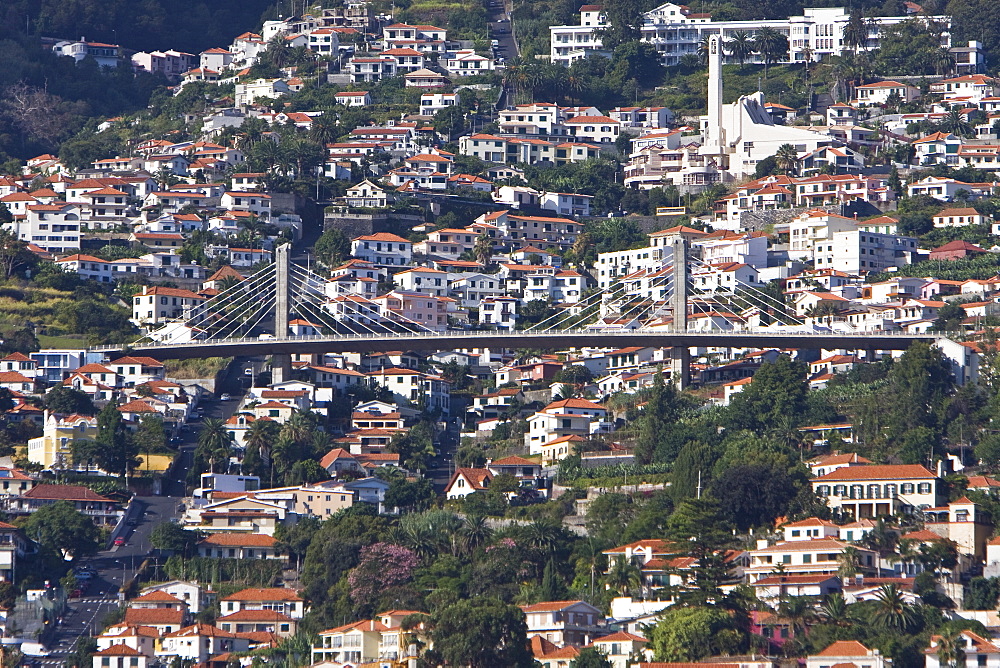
[(281, 365), (680, 357)]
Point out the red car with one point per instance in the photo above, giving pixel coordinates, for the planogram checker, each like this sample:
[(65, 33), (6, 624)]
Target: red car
[(119, 541)]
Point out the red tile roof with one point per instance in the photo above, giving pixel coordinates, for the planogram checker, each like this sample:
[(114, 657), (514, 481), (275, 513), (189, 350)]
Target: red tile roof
[(65, 493), (264, 594), (877, 472), (237, 540), (154, 616)]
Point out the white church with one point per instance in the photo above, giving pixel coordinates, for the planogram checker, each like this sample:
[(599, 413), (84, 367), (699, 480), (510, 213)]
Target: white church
[(735, 137)]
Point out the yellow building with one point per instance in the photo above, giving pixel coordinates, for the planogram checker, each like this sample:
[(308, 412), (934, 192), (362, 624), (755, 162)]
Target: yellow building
[(55, 445)]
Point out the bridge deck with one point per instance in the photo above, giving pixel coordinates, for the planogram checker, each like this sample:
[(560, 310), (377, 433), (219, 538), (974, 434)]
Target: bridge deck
[(450, 340)]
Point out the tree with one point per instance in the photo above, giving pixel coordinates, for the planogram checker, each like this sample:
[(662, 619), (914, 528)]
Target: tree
[(172, 537), (214, 442), (150, 436), (755, 494), (624, 577), (659, 418), (449, 121), (698, 528), (483, 249), (383, 567), (693, 465), (332, 247), (481, 633), (920, 379), (624, 23), (786, 158), (771, 45), (776, 396), (856, 32), (892, 613), (954, 123), (951, 649), (14, 254), (66, 400), (590, 658), (63, 529), (686, 634), (740, 46), (117, 451)]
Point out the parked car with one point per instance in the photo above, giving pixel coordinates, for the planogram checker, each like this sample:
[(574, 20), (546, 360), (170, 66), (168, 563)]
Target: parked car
[(119, 541), (225, 396)]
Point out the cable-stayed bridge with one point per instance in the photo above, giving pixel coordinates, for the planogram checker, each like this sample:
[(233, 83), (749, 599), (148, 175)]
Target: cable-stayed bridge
[(258, 316)]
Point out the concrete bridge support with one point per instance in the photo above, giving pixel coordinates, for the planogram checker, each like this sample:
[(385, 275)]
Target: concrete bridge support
[(281, 365), (680, 358)]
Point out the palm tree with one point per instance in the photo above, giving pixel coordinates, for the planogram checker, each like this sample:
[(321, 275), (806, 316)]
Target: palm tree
[(850, 560), (689, 61), (807, 56), (298, 428), (954, 123), (771, 45), (214, 441), (624, 577), (892, 612), (703, 49), (261, 435), (856, 32), (799, 612), (575, 85), (740, 46), (483, 250), (835, 610), (951, 650), (786, 158), (227, 282), (475, 532), (542, 535), (325, 129)]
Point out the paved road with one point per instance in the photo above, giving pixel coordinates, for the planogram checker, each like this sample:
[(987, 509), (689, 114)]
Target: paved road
[(84, 615), (118, 564), (500, 30)]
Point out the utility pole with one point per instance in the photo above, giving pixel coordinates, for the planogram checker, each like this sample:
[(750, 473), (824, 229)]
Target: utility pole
[(698, 488)]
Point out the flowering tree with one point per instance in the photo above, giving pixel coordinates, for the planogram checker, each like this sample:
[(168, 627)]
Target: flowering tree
[(382, 567)]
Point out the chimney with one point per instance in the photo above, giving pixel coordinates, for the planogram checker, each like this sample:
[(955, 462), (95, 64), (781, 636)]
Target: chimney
[(762, 544)]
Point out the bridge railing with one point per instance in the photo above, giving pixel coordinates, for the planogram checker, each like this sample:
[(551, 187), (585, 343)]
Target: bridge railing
[(493, 334)]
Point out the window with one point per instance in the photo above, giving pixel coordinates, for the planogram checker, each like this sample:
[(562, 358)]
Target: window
[(924, 488)]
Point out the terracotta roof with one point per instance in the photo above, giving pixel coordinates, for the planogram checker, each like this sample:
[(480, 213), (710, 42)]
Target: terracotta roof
[(476, 477), (120, 649), (154, 616), (513, 460), (550, 606), (204, 630), (620, 636), (846, 458), (877, 472), (255, 616), (136, 406), (157, 596), (264, 594), (65, 492), (575, 403), (237, 540), (845, 648)]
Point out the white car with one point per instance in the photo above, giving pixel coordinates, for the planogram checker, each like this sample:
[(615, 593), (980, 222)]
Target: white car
[(225, 397)]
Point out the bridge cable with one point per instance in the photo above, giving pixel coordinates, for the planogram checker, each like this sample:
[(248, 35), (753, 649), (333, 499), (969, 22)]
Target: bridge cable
[(403, 321)]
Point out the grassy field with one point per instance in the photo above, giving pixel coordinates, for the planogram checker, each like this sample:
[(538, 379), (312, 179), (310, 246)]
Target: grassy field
[(67, 342), (196, 369)]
